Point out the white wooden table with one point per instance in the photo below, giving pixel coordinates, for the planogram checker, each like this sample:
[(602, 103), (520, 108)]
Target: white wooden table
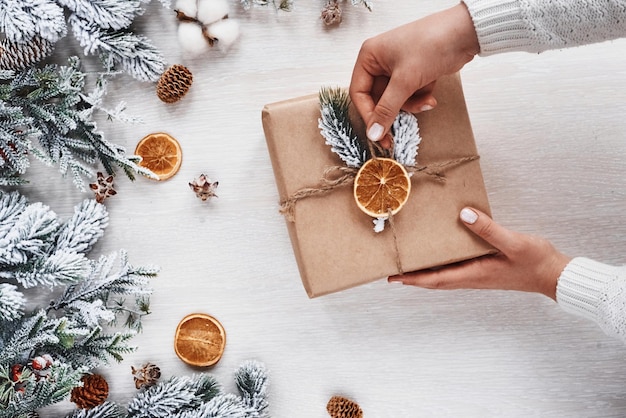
[(551, 131)]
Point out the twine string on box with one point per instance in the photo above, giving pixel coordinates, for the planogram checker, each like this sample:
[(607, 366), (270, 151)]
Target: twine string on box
[(330, 181), (392, 224)]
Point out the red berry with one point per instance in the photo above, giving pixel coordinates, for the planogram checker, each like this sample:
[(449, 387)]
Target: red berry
[(48, 359), (16, 372), (38, 363)]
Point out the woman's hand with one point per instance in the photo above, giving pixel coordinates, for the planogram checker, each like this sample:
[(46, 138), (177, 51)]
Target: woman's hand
[(524, 262), (398, 69)]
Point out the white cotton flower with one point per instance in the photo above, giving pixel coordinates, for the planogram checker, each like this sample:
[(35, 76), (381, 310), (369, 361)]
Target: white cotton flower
[(379, 224), (210, 11), (187, 7), (191, 39), (226, 32)]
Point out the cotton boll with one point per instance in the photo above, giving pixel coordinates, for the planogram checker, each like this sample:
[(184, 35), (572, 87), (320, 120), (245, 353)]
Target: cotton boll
[(210, 11), (226, 32), (187, 7), (191, 39)]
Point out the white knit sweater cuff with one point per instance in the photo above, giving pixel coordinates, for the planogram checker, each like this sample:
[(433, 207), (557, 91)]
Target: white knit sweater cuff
[(500, 26), (582, 288)]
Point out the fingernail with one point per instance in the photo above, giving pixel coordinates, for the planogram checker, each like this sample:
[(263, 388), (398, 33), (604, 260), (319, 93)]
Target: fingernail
[(426, 108), (375, 132), (468, 216), (392, 280)]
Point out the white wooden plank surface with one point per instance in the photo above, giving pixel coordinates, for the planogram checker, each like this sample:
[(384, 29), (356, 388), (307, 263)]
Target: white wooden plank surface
[(551, 130)]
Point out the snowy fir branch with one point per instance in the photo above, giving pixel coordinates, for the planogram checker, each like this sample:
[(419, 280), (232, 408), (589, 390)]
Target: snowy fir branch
[(45, 113), (406, 138), (252, 381), (12, 302), (106, 284), (200, 396), (35, 248), (20, 21), (84, 228), (176, 395), (77, 330), (336, 128), (133, 53), (96, 349), (106, 410), (102, 27)]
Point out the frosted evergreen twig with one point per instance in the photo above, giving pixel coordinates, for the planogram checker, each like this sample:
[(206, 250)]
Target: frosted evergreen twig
[(336, 128), (406, 138), (43, 113), (12, 302), (102, 27)]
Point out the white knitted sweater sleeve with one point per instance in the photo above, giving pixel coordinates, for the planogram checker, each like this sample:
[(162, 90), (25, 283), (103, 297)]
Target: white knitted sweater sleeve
[(595, 291), (540, 25)]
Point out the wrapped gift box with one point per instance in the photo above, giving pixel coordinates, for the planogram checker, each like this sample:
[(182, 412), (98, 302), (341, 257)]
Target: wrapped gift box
[(334, 243)]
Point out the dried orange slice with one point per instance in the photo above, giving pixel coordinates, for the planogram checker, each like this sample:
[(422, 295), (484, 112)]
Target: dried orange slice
[(160, 154), (380, 186), (200, 340)]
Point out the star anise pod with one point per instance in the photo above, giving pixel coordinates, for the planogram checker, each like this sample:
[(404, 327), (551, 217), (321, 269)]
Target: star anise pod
[(103, 187), (203, 187), (146, 376)]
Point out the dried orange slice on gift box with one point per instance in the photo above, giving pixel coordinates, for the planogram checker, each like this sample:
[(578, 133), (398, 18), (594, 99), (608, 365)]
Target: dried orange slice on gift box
[(160, 153), (199, 340), (382, 185)]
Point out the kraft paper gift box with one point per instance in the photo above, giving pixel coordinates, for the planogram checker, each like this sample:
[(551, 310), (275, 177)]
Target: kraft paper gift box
[(334, 243)]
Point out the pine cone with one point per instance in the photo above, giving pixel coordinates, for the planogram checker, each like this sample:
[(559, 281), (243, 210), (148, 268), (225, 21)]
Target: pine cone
[(94, 391), (18, 56), (174, 83), (339, 407), (148, 375), (331, 13)]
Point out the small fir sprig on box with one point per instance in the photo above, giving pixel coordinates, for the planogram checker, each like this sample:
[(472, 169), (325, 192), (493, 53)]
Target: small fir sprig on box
[(32, 28), (336, 128), (45, 113), (197, 396), (76, 331)]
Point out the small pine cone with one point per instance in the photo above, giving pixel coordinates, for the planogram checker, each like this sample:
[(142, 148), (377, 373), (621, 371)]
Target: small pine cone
[(174, 83), (331, 13), (94, 392), (18, 56), (339, 407), (148, 375)]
